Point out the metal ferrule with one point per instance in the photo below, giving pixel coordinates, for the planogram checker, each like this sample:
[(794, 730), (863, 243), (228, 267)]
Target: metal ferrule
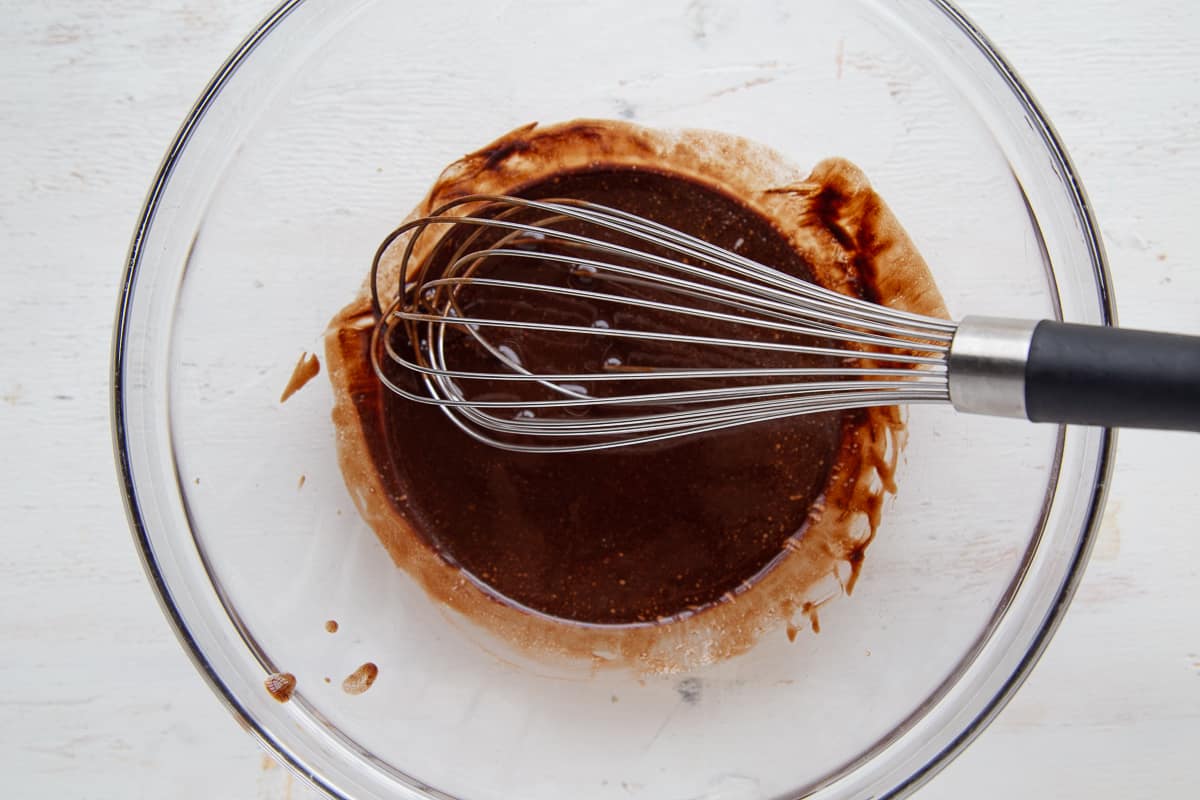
[(986, 365)]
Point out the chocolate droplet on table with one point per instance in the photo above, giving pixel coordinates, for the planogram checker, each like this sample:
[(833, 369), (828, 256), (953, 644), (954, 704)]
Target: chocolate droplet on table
[(306, 369), (361, 679), (331, 626), (280, 685)]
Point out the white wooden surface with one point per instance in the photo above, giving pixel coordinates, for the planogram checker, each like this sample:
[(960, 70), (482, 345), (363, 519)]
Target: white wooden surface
[(98, 701)]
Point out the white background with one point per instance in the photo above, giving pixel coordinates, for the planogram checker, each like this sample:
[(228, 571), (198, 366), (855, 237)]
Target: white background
[(98, 701)]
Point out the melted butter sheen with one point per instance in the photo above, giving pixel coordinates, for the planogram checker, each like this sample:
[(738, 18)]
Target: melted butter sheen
[(622, 536)]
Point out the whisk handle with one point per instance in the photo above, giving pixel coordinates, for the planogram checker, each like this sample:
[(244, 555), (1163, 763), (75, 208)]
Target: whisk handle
[(1114, 377)]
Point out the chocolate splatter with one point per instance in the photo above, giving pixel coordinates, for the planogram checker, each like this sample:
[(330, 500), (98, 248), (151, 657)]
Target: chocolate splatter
[(361, 679), (280, 685), (306, 369), (843, 232), (810, 611)]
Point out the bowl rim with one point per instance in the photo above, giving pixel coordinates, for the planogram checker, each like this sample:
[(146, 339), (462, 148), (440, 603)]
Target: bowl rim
[(140, 531)]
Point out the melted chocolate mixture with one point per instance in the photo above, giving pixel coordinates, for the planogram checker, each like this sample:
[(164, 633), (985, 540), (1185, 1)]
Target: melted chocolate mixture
[(620, 536)]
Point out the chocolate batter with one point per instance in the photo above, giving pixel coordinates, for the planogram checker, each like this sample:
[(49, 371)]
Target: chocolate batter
[(619, 536), (671, 556)]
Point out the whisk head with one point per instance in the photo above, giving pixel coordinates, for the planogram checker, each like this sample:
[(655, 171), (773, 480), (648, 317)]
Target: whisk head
[(562, 325)]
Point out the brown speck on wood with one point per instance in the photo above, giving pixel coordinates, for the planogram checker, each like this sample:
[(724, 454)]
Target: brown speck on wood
[(306, 369), (361, 679), (280, 685)]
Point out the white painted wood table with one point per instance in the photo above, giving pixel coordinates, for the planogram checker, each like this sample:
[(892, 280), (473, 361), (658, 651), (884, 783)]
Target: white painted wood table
[(98, 701)]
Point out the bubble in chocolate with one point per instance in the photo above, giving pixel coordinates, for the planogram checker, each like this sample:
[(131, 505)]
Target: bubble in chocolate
[(583, 274), (528, 240), (575, 391), (509, 355)]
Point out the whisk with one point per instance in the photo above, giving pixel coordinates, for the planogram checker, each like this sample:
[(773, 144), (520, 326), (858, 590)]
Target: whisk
[(503, 316)]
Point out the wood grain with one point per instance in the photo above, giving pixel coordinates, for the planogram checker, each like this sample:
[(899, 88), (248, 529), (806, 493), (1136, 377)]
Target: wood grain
[(98, 701)]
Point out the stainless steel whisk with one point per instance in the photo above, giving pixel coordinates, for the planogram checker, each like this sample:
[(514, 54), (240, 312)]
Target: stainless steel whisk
[(854, 353)]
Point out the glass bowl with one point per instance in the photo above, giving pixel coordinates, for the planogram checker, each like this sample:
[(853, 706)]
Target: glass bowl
[(323, 130)]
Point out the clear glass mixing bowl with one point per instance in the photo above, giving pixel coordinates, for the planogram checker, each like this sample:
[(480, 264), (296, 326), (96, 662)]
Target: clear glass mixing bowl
[(322, 131)]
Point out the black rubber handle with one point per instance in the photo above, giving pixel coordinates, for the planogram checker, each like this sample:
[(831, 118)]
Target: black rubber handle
[(1093, 375)]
